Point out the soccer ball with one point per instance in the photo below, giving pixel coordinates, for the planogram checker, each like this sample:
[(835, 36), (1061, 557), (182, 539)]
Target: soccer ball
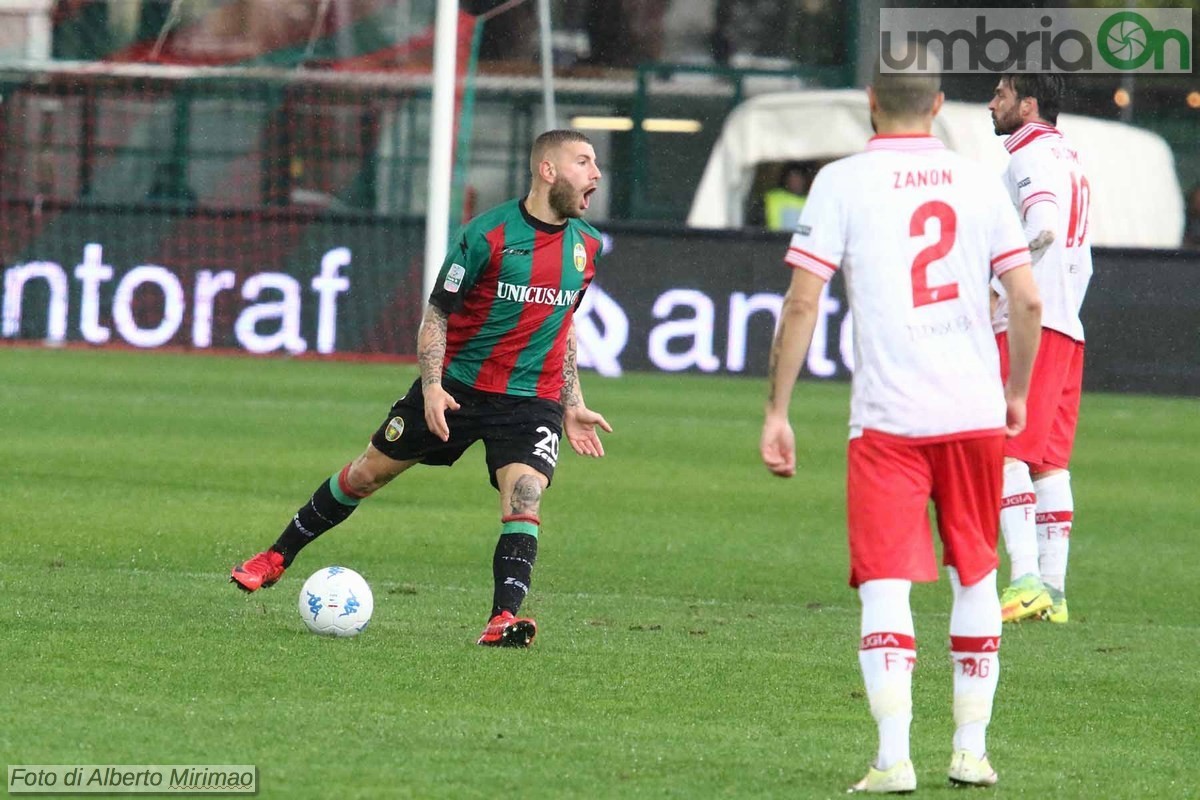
[(336, 601)]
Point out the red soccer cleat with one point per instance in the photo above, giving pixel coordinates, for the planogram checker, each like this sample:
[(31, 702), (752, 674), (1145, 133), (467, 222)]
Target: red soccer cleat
[(505, 630), (259, 572)]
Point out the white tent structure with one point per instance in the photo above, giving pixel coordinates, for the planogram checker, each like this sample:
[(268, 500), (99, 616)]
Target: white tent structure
[(1136, 198)]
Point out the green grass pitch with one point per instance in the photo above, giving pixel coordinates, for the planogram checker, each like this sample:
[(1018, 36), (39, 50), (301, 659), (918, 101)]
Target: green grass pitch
[(697, 638)]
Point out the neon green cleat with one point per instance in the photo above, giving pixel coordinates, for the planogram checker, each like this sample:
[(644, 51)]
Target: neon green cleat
[(1025, 598), (900, 778), (967, 770), (1057, 612)]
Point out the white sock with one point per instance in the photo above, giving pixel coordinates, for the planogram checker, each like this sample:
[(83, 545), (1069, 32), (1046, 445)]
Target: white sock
[(1055, 509), (888, 655), (1017, 513), (975, 657)]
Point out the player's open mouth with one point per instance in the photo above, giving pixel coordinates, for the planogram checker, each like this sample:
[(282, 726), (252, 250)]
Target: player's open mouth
[(587, 198)]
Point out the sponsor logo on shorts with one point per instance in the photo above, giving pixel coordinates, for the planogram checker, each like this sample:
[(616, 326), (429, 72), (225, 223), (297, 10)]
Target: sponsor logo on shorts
[(580, 257), (454, 277), (394, 429)]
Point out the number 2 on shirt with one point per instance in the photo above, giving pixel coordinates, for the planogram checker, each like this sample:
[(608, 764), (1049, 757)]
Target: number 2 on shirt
[(924, 294)]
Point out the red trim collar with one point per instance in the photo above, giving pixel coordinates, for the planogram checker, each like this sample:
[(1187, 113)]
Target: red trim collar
[(1029, 132), (905, 142)]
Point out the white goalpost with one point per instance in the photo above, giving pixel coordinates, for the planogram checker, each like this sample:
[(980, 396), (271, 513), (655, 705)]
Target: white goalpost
[(441, 133), (441, 141)]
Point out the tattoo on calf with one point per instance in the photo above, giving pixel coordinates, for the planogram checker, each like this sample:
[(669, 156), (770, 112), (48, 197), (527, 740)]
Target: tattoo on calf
[(526, 495)]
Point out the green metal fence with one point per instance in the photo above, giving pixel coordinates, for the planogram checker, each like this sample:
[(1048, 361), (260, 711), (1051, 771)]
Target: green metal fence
[(239, 139)]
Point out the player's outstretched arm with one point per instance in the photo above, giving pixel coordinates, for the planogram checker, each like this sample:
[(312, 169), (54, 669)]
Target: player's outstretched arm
[(1024, 336), (797, 319), (431, 352), (579, 421)]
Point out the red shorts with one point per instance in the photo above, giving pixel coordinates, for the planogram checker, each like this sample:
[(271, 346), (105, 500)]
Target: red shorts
[(1052, 411), (889, 483)]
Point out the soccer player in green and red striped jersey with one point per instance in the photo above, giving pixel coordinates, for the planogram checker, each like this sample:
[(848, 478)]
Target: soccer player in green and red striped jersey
[(497, 351), (509, 289)]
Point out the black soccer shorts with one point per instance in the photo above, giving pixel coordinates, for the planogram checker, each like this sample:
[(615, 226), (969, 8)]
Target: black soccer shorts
[(514, 430)]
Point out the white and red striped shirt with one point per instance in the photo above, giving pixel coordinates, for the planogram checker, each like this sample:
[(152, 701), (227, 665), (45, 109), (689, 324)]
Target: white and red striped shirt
[(1045, 168), (918, 232)]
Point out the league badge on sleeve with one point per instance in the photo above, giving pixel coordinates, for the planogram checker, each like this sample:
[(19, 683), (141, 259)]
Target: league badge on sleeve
[(454, 278)]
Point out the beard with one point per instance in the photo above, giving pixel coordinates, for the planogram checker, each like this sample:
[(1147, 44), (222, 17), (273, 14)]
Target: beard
[(1006, 125), (564, 199)]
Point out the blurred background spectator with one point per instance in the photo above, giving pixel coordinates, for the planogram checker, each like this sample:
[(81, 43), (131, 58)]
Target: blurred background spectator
[(783, 204)]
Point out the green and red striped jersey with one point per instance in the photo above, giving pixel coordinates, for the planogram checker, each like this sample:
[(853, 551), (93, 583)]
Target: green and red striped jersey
[(510, 286)]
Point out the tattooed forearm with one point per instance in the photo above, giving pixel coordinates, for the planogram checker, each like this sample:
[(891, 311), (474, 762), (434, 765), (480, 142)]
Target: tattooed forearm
[(1039, 245), (570, 391), (431, 345)]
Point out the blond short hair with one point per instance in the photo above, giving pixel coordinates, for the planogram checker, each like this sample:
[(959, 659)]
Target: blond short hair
[(552, 140), (902, 94)]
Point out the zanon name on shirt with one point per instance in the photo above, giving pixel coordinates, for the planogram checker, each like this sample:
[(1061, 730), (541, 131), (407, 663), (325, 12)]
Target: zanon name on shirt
[(539, 295), (921, 177)]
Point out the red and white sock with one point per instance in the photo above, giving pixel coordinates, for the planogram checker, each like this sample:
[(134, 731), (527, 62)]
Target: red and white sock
[(975, 657), (1017, 513), (888, 655), (1055, 511)]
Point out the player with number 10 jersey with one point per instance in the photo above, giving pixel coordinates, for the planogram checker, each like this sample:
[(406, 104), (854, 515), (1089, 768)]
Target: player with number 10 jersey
[(1050, 190), (1045, 171)]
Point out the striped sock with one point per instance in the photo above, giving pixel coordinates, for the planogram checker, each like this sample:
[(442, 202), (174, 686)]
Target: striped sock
[(330, 505), (1055, 517), (512, 562), (1017, 519), (887, 656), (975, 654)]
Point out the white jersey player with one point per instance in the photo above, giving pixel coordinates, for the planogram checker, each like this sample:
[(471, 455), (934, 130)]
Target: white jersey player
[(920, 224), (1047, 185), (918, 232)]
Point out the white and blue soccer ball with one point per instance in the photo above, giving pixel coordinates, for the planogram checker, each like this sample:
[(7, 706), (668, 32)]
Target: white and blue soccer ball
[(336, 601)]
